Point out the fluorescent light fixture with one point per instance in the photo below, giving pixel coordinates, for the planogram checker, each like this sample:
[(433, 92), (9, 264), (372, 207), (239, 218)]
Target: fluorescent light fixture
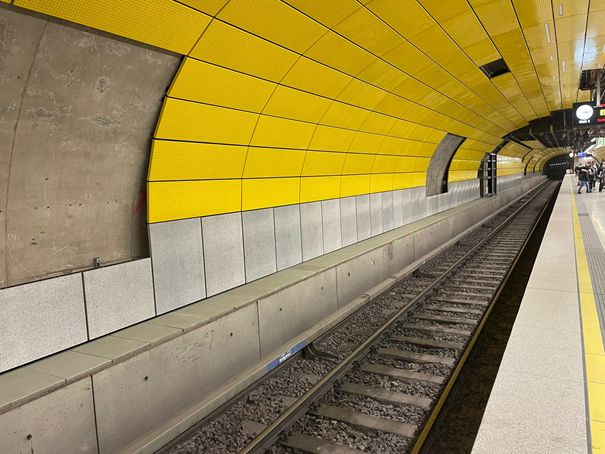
[(560, 9), (564, 66), (552, 58), (571, 154), (590, 148), (547, 28)]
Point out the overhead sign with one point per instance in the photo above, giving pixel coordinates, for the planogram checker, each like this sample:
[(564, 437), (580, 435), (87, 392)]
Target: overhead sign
[(586, 114)]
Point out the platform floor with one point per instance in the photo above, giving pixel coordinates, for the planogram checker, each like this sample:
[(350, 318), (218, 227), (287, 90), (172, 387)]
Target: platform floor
[(549, 394)]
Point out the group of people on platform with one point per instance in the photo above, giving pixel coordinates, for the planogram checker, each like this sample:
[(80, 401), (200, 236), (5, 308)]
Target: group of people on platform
[(589, 174)]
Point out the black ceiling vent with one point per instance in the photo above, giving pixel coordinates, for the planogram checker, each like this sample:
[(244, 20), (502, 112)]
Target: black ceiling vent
[(495, 68)]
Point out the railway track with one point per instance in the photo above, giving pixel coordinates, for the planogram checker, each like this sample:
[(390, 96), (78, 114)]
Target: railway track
[(376, 382)]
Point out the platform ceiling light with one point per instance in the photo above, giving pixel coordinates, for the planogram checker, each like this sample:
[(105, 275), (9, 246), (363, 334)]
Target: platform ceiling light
[(547, 28), (552, 58), (560, 9), (564, 66), (571, 154)]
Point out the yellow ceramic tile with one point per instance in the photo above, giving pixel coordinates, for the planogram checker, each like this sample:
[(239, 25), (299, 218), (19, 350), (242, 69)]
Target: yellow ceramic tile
[(155, 22), (171, 160)]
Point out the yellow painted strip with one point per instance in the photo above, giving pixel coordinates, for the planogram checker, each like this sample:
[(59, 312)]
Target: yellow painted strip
[(593, 342)]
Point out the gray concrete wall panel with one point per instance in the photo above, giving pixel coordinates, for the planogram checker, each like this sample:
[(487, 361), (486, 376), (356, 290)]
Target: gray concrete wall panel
[(288, 240), (140, 394), (59, 422), (259, 243), (359, 275), (376, 227), (223, 252), (387, 211), (348, 220), (78, 109), (118, 296), (41, 318), (397, 208), (311, 230), (288, 313), (178, 263), (397, 255), (330, 217), (364, 225)]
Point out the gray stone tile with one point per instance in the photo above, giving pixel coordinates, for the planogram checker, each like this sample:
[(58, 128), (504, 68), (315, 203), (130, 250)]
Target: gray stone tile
[(533, 414), (330, 216), (397, 208), (60, 422), (112, 347), (312, 230), (20, 384), (41, 318), (69, 364), (259, 243), (178, 263), (387, 211), (364, 226), (550, 309), (118, 296), (287, 236), (545, 352), (376, 226), (223, 252), (348, 220)]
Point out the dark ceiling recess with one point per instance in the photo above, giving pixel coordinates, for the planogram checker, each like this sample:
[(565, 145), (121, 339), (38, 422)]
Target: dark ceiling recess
[(557, 130), (495, 68)]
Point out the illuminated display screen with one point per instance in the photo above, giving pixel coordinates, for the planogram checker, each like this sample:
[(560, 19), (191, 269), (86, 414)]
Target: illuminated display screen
[(586, 113)]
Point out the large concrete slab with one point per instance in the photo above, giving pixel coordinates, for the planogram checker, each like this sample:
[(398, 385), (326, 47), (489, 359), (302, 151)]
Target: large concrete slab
[(397, 255), (364, 224), (288, 240), (77, 111), (259, 243), (286, 314), (330, 218), (60, 422), (311, 230), (41, 318), (359, 275), (118, 296), (348, 220), (178, 263), (142, 393), (223, 252)]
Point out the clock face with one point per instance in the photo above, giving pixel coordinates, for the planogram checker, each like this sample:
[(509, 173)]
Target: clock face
[(584, 112)]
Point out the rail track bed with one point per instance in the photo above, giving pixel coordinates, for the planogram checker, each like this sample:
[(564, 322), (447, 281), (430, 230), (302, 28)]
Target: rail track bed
[(375, 383)]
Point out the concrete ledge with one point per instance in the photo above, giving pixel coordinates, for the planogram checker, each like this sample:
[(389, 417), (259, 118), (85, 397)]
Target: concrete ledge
[(146, 377)]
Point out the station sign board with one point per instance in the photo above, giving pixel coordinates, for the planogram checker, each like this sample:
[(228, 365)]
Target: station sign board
[(587, 113)]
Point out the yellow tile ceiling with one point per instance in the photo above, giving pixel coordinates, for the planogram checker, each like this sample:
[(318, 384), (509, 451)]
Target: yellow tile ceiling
[(280, 102)]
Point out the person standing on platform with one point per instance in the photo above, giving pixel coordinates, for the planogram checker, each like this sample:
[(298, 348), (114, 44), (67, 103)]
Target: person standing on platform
[(591, 176), (583, 179)]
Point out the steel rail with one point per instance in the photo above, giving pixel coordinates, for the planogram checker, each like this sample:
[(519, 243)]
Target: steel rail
[(269, 435)]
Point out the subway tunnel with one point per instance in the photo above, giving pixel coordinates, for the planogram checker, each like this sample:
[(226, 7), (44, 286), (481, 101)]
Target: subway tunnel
[(196, 190)]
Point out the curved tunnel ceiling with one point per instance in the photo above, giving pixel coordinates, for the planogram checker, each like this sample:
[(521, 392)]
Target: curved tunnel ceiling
[(281, 102)]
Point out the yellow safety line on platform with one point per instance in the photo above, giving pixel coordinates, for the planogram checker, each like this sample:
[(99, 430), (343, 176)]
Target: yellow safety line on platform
[(594, 351)]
